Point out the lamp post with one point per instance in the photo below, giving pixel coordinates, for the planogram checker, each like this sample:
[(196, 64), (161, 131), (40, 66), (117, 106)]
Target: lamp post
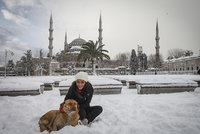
[(5, 63)]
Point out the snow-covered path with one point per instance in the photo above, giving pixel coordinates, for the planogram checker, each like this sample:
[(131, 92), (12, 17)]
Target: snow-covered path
[(126, 113)]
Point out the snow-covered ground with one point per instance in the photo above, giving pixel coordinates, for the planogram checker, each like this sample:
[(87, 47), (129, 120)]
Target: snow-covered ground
[(94, 80), (28, 83), (125, 113), (157, 79), (34, 82)]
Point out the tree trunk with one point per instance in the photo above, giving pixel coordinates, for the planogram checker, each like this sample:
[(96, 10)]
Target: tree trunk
[(93, 66)]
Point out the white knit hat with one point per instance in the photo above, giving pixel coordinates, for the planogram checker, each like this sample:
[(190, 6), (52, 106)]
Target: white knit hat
[(82, 76)]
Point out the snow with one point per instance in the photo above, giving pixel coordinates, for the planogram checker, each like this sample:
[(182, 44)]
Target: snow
[(27, 83), (94, 80), (196, 56), (159, 80), (34, 82), (76, 47), (125, 113)]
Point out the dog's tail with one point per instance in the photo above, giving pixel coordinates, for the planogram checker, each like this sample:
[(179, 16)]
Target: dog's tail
[(43, 122)]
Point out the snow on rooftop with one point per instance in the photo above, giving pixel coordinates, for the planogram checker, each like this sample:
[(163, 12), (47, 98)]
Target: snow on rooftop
[(195, 56), (76, 47), (75, 52)]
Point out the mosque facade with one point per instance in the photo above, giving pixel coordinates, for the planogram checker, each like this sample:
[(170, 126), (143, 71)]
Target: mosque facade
[(67, 58)]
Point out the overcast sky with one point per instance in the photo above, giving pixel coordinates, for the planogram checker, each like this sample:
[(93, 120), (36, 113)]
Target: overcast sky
[(24, 24)]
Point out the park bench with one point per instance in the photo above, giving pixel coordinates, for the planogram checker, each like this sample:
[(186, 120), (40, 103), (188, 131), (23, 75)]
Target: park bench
[(98, 89), (20, 92), (47, 86), (156, 88), (198, 82), (132, 84), (122, 81), (56, 83), (100, 84)]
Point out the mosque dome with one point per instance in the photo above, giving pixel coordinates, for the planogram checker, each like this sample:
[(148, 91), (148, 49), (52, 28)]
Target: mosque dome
[(76, 45), (77, 42)]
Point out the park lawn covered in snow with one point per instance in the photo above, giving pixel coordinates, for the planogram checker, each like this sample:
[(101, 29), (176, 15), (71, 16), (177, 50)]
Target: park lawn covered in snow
[(34, 82), (27, 83), (178, 80), (125, 113)]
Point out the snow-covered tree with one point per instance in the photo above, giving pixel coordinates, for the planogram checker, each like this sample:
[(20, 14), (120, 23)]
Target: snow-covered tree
[(175, 53), (10, 65), (188, 53), (152, 60), (133, 62), (123, 59), (29, 62), (143, 61)]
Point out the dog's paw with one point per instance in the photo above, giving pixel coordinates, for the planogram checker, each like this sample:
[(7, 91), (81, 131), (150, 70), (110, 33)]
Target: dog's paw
[(80, 122)]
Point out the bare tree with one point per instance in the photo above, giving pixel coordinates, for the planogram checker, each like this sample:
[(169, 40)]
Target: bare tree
[(123, 58), (39, 52), (188, 53), (152, 60), (175, 53)]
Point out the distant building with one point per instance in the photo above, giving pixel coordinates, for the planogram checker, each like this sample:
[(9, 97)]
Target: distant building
[(68, 57), (187, 64)]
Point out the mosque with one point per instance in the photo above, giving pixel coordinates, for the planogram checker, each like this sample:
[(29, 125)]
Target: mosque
[(66, 60)]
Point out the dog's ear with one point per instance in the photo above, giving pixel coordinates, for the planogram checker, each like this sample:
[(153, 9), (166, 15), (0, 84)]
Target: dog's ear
[(61, 105)]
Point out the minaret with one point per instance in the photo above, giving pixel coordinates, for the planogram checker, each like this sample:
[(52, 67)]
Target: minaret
[(157, 46), (51, 37), (100, 31), (65, 43)]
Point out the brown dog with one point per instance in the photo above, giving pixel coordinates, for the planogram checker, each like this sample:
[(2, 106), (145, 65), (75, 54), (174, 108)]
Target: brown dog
[(54, 120)]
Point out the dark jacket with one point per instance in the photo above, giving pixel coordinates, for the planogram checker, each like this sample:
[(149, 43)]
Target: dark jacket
[(83, 98)]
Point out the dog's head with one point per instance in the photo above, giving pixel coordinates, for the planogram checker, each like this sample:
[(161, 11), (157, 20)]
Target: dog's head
[(69, 106)]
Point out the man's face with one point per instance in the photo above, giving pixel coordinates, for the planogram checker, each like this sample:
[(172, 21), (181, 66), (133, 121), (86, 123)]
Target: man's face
[(80, 84)]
